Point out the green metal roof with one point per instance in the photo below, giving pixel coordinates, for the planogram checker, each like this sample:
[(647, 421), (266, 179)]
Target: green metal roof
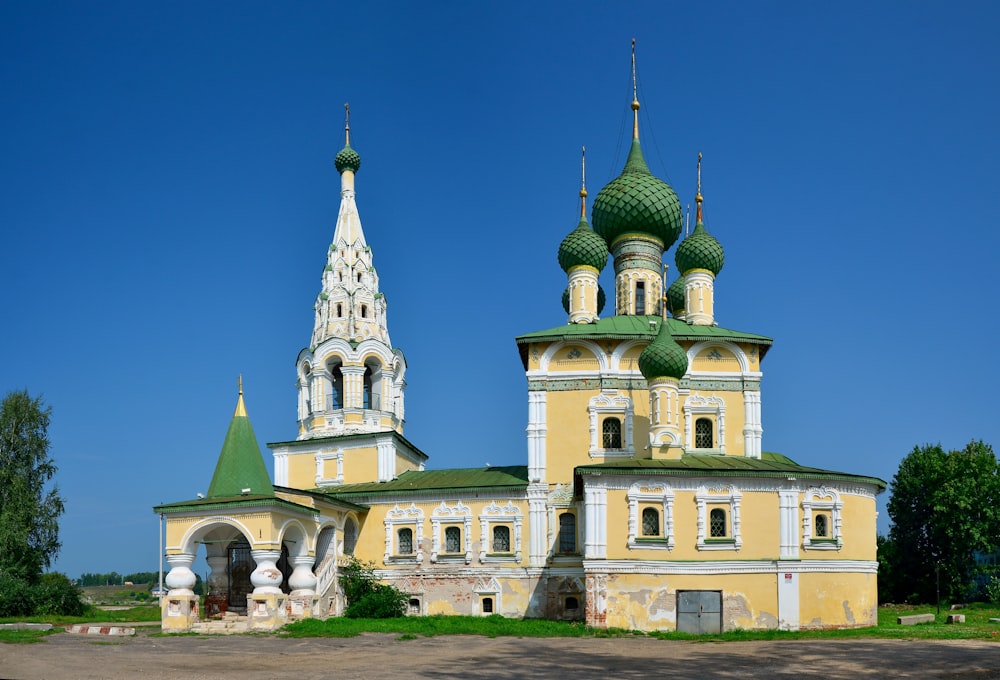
[(583, 247), (347, 159), (354, 435), (663, 357), (511, 478), (770, 464), (241, 465), (625, 327), (675, 296), (700, 250), (231, 503)]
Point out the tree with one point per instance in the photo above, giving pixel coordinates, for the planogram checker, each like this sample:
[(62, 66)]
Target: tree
[(944, 507), (366, 597), (29, 514)]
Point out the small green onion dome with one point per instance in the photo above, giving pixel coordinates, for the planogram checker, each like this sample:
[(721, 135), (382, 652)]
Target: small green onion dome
[(601, 299), (675, 297), (347, 159), (700, 250), (663, 358), (583, 247), (636, 201)]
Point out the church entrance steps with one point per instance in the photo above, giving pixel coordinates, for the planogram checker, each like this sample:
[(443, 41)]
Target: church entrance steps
[(231, 623)]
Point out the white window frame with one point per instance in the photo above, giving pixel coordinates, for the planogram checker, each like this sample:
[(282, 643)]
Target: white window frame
[(611, 403), (711, 405), (399, 518), (487, 588), (826, 500), (321, 459), (728, 497), (649, 493), (494, 514), (451, 515)]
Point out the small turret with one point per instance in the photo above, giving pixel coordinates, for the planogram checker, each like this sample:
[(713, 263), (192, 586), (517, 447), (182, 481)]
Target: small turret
[(582, 255), (699, 260)]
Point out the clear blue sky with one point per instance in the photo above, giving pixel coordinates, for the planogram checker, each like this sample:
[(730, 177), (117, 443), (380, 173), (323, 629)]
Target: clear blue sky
[(167, 195)]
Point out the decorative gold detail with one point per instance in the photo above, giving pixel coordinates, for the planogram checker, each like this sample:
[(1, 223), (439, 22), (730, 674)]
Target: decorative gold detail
[(241, 409), (583, 183), (635, 98), (347, 124), (698, 197)]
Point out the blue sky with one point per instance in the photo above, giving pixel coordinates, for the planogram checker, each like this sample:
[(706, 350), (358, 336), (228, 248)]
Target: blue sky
[(167, 195)]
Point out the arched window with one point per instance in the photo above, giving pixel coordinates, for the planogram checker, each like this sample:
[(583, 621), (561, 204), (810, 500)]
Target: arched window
[(567, 532), (501, 539), (572, 603), (364, 311), (650, 522), (703, 428), (350, 536), (405, 541), (453, 540), (822, 528), (640, 297), (487, 605), (717, 523), (335, 393), (340, 310), (611, 430), (368, 387)]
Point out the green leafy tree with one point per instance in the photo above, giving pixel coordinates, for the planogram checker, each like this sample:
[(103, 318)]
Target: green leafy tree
[(29, 510), (944, 507)]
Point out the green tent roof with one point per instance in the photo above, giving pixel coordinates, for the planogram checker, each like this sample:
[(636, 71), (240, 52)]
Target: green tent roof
[(241, 465)]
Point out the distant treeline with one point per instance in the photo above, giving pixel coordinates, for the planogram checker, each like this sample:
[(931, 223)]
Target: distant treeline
[(115, 579)]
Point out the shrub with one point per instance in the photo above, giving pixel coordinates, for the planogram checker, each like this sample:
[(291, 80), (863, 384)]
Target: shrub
[(993, 589), (366, 597), (15, 596), (56, 594)]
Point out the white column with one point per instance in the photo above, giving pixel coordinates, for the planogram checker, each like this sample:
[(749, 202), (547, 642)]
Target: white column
[(583, 294), (788, 523), (537, 429), (180, 579), (699, 297), (302, 580), (596, 521), (386, 459), (752, 429), (537, 525), (354, 377), (218, 579), (266, 578)]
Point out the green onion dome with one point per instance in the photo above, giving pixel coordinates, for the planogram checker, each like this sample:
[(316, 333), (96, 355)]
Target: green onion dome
[(601, 299), (663, 358), (700, 250), (675, 297), (347, 159), (583, 247), (637, 202)]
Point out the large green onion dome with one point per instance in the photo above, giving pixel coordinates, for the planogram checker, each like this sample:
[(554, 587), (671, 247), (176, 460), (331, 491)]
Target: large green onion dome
[(663, 358), (347, 159), (583, 247), (700, 250), (601, 299), (675, 297), (637, 202)]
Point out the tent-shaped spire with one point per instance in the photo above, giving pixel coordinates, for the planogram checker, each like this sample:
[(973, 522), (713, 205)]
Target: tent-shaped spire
[(241, 469)]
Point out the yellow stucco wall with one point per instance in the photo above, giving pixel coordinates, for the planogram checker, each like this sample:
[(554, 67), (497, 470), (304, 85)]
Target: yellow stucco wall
[(838, 600)]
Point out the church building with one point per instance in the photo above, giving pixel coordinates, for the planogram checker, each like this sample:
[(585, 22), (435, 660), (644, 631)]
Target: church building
[(647, 501)]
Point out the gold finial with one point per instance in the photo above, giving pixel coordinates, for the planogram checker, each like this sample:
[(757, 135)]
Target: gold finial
[(698, 197), (635, 98), (583, 183), (241, 409), (347, 123)]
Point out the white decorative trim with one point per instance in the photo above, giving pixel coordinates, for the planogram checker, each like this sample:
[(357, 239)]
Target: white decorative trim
[(697, 404), (488, 587), (386, 458), (398, 518), (788, 514), (719, 495), (497, 514), (695, 349), (621, 482), (595, 522), (611, 403), (553, 349), (281, 469), (321, 459), (537, 429), (752, 429), (822, 499), (537, 535), (459, 513), (650, 492), (721, 567)]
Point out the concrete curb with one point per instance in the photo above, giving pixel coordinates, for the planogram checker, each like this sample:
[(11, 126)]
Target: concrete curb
[(100, 630), (25, 626)]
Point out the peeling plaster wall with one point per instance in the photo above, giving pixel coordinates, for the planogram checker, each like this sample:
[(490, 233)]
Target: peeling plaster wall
[(838, 600)]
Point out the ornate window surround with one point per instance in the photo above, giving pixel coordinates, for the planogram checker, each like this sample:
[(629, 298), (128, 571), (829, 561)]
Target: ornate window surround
[(488, 588), (611, 403), (321, 459), (398, 518), (822, 499), (713, 405), (728, 498), (647, 494), (458, 514), (494, 514)]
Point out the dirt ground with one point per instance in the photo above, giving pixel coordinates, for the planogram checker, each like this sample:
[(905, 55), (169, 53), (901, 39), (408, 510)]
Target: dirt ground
[(376, 656)]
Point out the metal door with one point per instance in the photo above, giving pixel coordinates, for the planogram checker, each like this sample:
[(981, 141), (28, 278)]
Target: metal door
[(241, 564), (699, 611)]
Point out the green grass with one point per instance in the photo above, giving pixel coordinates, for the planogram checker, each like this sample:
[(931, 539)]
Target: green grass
[(24, 636), (95, 615), (976, 627)]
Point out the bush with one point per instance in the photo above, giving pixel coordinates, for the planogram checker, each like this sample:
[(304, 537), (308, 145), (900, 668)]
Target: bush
[(15, 596), (56, 594), (993, 589), (366, 597)]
